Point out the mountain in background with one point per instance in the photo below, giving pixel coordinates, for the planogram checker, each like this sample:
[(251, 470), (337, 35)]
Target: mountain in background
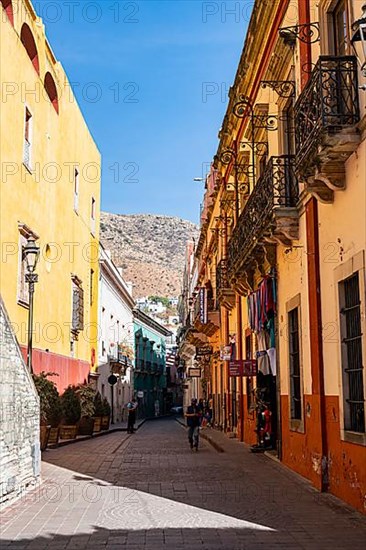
[(150, 249)]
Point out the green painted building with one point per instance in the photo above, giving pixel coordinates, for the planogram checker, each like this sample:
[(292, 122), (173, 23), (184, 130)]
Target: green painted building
[(150, 376)]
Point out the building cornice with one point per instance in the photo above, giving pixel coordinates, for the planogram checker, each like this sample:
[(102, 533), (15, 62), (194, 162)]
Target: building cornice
[(141, 316), (110, 271)]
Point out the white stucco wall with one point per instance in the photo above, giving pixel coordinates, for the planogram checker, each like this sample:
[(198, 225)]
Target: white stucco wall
[(115, 327)]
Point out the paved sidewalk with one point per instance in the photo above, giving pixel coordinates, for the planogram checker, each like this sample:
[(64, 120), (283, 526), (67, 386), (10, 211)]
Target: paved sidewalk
[(149, 491), (116, 427)]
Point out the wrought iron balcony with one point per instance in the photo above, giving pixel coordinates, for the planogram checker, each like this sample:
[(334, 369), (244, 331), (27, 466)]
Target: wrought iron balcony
[(225, 294), (270, 215), (206, 315), (326, 115)]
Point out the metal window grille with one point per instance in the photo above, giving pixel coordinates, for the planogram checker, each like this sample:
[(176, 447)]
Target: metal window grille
[(77, 308), (27, 153), (351, 338), (294, 353)]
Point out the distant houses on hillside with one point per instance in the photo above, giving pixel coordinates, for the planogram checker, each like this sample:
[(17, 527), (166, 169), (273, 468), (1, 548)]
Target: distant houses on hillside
[(162, 309)]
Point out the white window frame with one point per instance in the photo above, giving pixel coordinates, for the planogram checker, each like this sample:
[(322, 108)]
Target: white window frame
[(92, 216), (28, 162), (76, 189)]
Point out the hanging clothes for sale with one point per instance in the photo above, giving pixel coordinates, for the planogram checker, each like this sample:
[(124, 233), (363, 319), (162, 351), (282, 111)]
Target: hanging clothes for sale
[(263, 362), (262, 306), (272, 360)]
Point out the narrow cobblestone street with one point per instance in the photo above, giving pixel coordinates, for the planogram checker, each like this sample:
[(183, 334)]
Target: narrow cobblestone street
[(150, 491)]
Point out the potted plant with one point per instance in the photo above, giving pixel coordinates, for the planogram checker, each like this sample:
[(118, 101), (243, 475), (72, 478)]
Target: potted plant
[(50, 407), (71, 412), (55, 420), (98, 412), (106, 414), (86, 394)]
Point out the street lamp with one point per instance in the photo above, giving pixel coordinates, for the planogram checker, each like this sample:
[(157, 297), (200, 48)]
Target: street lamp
[(359, 40), (31, 255)]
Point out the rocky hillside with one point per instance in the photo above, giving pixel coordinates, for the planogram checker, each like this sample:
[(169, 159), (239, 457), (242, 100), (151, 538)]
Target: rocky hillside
[(150, 249)]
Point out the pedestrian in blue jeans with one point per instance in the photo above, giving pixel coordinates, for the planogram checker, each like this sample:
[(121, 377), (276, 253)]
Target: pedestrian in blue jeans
[(193, 416)]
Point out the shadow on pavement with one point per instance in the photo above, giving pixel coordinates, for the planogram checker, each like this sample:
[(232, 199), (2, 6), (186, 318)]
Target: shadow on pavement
[(150, 491)]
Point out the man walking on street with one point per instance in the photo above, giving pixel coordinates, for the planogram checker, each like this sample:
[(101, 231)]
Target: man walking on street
[(193, 416), (131, 409)]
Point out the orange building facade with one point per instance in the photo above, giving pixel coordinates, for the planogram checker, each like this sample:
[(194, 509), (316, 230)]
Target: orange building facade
[(278, 293)]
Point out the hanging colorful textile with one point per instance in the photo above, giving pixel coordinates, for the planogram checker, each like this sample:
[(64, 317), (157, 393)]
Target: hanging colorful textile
[(262, 306)]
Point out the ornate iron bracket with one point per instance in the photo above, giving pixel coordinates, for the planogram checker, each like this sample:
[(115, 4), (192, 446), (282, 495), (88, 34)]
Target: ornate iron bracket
[(227, 203), (243, 107), (220, 231), (268, 122), (260, 147), (283, 88), (228, 156), (309, 33)]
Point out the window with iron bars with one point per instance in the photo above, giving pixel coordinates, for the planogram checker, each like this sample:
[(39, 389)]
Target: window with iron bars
[(77, 307), (294, 356), (351, 346)]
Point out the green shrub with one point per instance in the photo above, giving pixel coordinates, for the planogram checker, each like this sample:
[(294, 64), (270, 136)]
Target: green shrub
[(86, 395), (98, 405), (106, 407), (71, 409), (50, 403)]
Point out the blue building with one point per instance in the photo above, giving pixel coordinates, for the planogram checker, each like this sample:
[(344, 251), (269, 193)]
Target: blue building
[(150, 374)]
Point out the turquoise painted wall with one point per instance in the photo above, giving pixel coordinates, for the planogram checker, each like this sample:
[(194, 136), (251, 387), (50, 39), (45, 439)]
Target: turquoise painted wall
[(150, 371)]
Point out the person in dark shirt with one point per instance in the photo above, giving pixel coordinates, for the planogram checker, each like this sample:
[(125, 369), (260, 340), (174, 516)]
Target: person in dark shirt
[(193, 416), (131, 408)]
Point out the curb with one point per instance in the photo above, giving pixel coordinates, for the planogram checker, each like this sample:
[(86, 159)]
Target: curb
[(80, 438), (214, 444), (206, 437)]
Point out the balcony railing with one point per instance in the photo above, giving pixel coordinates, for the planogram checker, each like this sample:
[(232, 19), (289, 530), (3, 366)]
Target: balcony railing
[(274, 194), (222, 279), (328, 105), (224, 293)]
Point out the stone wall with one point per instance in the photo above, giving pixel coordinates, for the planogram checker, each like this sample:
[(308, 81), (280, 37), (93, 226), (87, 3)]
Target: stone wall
[(19, 418)]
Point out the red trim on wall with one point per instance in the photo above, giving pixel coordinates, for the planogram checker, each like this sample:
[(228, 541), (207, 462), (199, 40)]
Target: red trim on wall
[(305, 49), (69, 371), (8, 7)]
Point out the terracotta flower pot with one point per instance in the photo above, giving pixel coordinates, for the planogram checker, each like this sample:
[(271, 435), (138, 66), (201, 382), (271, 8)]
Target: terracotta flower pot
[(86, 426), (44, 434), (105, 422), (97, 424), (54, 436), (68, 432)]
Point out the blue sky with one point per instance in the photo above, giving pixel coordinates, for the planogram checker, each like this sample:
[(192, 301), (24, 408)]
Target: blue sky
[(153, 78)]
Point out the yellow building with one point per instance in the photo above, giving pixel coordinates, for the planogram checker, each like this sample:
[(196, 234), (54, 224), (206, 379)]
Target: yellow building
[(283, 245), (50, 190)]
